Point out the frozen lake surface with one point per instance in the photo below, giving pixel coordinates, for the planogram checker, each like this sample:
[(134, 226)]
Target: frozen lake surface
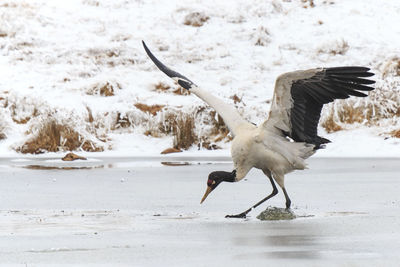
[(135, 212)]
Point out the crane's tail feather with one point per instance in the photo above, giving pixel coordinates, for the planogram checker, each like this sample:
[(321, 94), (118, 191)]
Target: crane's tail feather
[(179, 78)]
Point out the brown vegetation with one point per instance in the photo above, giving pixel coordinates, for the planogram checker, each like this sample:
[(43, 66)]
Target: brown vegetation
[(162, 87), (351, 114), (72, 156), (122, 121), (106, 90), (208, 145), (149, 109), (308, 3), (90, 115), (181, 126), (171, 150), (111, 57), (330, 125), (2, 134), (382, 103), (395, 133), (183, 132), (22, 114), (236, 99), (347, 113), (103, 89), (339, 48), (195, 19), (391, 67), (219, 126), (181, 91), (261, 36), (53, 137)]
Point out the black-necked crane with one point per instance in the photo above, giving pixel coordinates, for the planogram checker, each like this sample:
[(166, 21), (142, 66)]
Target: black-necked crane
[(283, 142)]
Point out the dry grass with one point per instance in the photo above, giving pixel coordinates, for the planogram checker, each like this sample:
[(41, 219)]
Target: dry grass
[(153, 109), (2, 134), (24, 119), (162, 87), (21, 111), (111, 57), (330, 125), (339, 47), (391, 67), (261, 36), (90, 118), (159, 121), (208, 145), (181, 91), (382, 104), (181, 126), (4, 101), (346, 112), (195, 19), (183, 131), (106, 90), (171, 150), (308, 3), (153, 133), (236, 99), (72, 156), (395, 133), (219, 126), (103, 89), (53, 137), (122, 121)]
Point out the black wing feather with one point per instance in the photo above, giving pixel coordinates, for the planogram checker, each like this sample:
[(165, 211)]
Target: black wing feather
[(182, 80), (354, 71), (309, 95)]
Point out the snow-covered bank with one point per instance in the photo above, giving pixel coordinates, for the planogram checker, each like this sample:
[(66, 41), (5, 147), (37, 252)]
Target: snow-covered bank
[(56, 56)]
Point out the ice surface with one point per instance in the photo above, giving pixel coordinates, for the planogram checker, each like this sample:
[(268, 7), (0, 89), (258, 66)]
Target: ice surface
[(347, 215)]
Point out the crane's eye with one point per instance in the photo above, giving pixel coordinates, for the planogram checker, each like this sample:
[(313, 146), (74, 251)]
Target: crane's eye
[(210, 182)]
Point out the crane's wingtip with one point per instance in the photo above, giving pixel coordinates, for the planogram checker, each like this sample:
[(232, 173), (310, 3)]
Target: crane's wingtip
[(146, 48), (182, 80)]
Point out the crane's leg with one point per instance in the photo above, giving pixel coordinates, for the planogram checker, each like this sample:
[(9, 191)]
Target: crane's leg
[(243, 214), (280, 179), (288, 201)]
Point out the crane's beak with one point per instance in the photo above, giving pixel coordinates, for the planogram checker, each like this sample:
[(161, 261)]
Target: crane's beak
[(208, 191)]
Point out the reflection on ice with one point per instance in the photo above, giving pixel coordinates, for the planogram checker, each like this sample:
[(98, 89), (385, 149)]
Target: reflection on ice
[(47, 167)]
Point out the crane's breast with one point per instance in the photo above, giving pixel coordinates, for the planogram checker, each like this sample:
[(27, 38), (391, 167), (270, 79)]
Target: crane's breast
[(241, 151)]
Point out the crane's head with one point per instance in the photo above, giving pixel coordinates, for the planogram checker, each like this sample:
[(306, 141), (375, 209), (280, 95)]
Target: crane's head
[(215, 178)]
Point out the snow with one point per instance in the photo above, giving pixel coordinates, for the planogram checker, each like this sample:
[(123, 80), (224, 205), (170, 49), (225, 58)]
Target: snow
[(53, 53)]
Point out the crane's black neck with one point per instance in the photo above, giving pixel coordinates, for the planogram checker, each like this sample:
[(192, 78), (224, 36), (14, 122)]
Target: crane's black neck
[(222, 176)]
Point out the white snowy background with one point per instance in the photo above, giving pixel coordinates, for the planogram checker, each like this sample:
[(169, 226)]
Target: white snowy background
[(54, 54)]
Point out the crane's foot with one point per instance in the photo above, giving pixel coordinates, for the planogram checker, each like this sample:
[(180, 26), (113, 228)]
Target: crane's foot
[(240, 215)]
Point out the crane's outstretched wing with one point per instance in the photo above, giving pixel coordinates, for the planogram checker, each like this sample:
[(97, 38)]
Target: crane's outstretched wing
[(300, 95), (228, 113)]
